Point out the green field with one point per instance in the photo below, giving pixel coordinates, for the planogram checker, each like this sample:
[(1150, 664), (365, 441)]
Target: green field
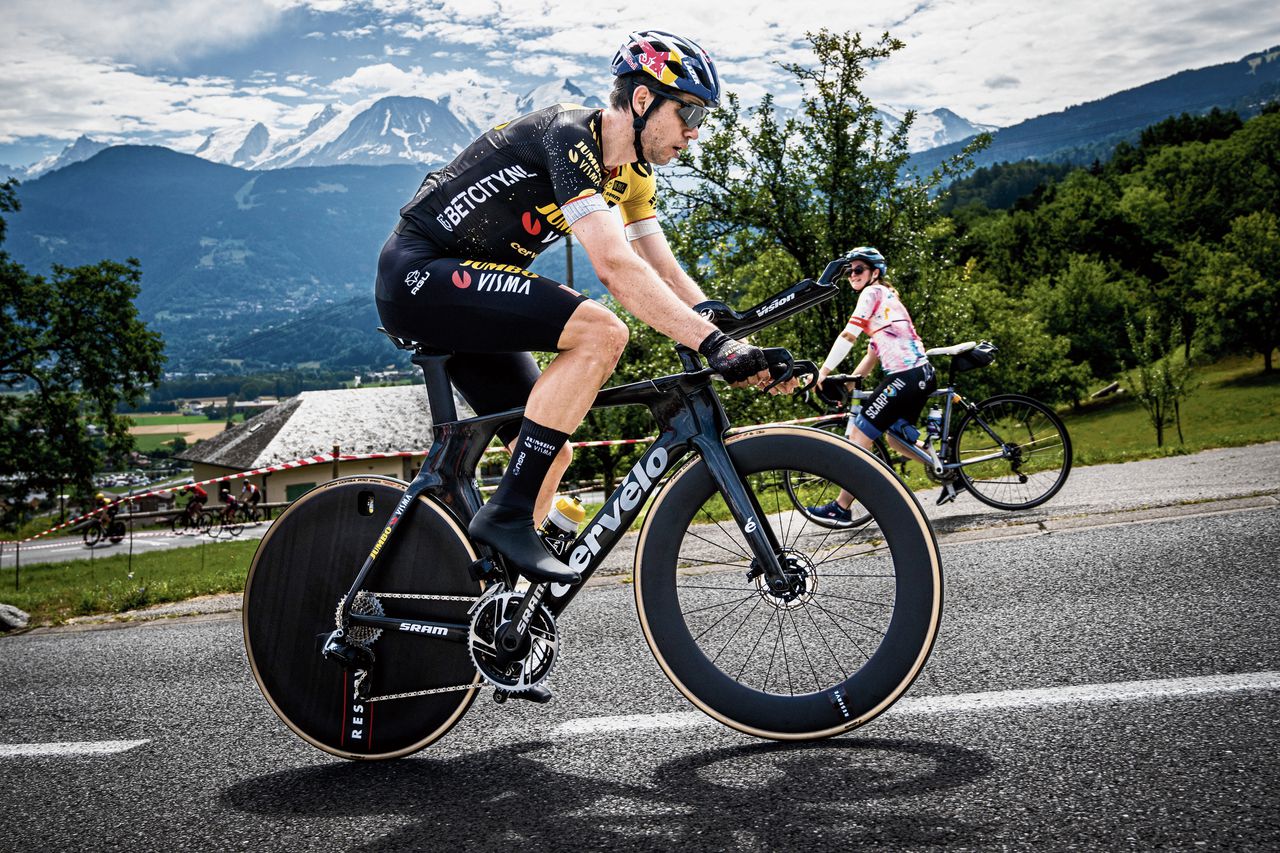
[(162, 420)]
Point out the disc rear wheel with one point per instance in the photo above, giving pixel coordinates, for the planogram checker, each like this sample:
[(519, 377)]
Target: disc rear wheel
[(418, 686)]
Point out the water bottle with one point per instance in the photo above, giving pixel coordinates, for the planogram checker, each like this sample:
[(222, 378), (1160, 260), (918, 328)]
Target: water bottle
[(933, 423), (561, 526)]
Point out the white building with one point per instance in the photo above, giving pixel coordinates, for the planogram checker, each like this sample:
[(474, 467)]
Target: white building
[(357, 421)]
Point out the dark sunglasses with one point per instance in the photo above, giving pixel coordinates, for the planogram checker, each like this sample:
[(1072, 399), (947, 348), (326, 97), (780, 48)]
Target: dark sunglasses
[(858, 270), (693, 115)]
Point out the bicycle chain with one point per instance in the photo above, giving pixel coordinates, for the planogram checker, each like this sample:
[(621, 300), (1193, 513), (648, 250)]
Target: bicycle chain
[(425, 596), (427, 692), (432, 690)]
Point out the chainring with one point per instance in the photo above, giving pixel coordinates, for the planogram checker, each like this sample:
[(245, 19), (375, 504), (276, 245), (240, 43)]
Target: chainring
[(491, 614)]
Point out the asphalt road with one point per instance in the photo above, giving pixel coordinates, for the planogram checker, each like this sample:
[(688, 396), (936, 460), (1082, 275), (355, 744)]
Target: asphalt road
[(1102, 681)]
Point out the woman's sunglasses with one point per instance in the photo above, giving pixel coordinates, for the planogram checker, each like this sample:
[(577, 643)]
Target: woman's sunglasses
[(693, 115), (858, 269)]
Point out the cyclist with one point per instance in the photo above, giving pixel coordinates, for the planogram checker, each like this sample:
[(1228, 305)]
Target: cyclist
[(452, 275), (105, 508), (909, 378), (229, 502), (250, 494), (199, 497)]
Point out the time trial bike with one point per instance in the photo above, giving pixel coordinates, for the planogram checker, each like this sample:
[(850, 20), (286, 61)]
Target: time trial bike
[(372, 621)]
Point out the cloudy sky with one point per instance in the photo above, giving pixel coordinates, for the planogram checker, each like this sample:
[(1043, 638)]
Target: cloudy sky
[(171, 71)]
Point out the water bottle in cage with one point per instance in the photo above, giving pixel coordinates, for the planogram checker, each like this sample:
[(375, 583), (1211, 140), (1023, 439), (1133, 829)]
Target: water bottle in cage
[(933, 423), (561, 526)]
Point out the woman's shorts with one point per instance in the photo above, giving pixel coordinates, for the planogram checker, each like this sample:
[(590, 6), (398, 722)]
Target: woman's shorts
[(900, 396)]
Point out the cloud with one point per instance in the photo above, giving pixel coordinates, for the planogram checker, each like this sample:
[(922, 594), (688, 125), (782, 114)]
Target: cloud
[(1001, 81), (83, 66), (137, 31), (387, 79)]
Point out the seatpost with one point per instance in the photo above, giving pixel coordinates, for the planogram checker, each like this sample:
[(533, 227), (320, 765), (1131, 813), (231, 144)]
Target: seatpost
[(439, 390)]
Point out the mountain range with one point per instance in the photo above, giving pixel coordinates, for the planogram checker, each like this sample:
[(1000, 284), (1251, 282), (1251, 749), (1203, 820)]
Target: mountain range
[(258, 248), (1086, 132)]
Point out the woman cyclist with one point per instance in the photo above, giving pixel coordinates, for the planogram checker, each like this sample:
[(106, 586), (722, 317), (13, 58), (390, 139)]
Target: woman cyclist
[(909, 378)]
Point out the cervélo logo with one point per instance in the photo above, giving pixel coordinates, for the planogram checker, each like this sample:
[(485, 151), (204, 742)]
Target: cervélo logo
[(629, 495)]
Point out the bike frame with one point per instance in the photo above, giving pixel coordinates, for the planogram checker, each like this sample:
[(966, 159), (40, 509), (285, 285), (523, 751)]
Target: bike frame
[(690, 419), (929, 457)]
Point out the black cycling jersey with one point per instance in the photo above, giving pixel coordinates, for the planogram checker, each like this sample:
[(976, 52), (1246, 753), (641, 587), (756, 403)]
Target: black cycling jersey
[(453, 275), (520, 186)]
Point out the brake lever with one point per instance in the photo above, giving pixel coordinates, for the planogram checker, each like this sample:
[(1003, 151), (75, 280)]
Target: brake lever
[(781, 358)]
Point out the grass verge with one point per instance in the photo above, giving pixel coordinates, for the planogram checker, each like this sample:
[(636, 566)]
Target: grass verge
[(55, 592)]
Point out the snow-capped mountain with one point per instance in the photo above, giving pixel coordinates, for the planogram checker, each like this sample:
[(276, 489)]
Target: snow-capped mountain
[(556, 92), (240, 145), (391, 130), (394, 129), (931, 129), (82, 149)]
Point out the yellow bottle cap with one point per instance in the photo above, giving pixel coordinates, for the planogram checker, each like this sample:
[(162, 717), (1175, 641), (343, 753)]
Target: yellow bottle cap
[(571, 508)]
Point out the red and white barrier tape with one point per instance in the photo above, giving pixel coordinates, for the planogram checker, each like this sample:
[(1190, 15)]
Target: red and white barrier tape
[(347, 457)]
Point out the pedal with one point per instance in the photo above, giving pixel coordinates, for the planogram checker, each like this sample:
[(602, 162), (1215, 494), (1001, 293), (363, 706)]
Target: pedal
[(485, 569), (538, 693)]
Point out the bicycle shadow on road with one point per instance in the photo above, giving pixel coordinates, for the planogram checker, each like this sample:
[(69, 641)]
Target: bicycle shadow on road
[(743, 796)]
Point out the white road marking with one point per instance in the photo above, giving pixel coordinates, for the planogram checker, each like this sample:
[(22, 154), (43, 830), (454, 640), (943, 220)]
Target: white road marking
[(1122, 691), (92, 747)]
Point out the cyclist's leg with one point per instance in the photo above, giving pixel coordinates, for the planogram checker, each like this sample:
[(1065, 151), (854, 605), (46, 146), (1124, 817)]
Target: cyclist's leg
[(898, 396), (496, 381), (473, 307)]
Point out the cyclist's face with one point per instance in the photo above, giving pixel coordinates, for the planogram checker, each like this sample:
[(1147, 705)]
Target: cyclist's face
[(666, 134), (860, 274)]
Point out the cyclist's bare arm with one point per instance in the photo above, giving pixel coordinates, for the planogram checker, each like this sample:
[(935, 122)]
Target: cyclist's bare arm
[(634, 282), (657, 253)]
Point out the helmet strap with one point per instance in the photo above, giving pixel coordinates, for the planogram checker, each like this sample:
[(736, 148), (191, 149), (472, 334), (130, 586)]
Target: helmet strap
[(639, 121)]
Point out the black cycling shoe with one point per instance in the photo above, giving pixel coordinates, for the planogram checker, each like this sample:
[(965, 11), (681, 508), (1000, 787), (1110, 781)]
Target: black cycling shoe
[(516, 539)]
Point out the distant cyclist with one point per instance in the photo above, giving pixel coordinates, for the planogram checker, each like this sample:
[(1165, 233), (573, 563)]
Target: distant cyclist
[(198, 496), (105, 508), (250, 494), (453, 275), (909, 378)]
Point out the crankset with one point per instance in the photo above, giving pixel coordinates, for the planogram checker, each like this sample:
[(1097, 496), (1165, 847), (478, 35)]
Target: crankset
[(506, 659)]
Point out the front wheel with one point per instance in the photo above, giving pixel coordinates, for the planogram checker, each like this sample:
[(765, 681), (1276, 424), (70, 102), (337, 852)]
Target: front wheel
[(845, 638), (92, 534), (1014, 452), (810, 493)]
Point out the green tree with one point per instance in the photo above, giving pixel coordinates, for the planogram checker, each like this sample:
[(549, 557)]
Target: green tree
[(1243, 298), (72, 349), (1160, 381), (774, 197), (1086, 303)]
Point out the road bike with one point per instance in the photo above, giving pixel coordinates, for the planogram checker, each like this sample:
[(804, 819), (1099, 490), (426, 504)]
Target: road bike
[(192, 520), (95, 530), (1009, 451), (372, 621), (231, 519)]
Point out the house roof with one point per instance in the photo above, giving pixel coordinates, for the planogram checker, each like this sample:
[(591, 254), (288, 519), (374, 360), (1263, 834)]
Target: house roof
[(358, 420)]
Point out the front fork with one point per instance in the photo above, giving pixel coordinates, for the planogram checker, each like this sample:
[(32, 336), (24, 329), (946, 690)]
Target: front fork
[(746, 511)]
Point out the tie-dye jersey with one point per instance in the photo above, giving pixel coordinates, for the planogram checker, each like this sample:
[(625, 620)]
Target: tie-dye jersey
[(881, 314)]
